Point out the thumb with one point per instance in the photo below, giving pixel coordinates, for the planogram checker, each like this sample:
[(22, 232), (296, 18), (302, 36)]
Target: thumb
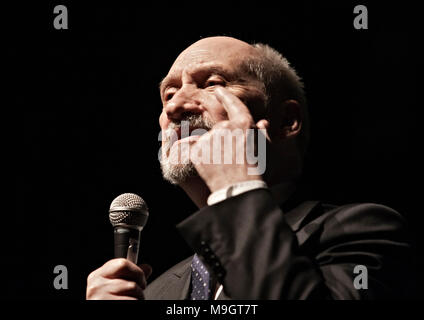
[(147, 269)]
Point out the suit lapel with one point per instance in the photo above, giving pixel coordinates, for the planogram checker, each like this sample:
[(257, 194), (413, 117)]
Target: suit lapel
[(173, 284), (291, 201), (296, 216), (183, 278)]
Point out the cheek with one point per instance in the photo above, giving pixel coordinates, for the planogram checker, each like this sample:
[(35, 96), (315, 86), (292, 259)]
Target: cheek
[(212, 109), (217, 113), (253, 97), (163, 123), (163, 120)]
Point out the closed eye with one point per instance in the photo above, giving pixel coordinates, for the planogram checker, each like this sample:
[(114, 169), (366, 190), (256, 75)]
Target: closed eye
[(214, 82), (169, 96), (169, 93)]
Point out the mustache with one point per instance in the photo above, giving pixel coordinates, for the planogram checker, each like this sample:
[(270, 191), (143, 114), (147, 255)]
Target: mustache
[(192, 121)]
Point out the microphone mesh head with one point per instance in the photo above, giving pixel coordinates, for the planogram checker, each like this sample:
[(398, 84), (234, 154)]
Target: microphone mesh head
[(128, 209), (129, 200)]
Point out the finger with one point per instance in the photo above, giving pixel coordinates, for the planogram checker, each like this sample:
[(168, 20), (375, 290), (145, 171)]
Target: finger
[(264, 125), (235, 108), (124, 298), (105, 288), (147, 269), (113, 297), (125, 288), (124, 269)]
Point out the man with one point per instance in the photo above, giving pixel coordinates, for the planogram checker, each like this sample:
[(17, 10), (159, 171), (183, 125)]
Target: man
[(252, 237)]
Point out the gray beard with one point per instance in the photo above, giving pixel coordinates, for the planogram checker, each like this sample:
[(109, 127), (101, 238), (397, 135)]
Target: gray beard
[(178, 173)]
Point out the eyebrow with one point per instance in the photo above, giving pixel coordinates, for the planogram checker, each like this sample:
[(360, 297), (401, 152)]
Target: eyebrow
[(165, 82), (216, 69)]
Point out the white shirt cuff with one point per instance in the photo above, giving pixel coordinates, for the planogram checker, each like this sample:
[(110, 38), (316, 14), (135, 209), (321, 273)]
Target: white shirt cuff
[(234, 190)]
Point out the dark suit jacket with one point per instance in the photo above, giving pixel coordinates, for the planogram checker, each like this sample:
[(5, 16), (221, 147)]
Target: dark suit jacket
[(260, 249)]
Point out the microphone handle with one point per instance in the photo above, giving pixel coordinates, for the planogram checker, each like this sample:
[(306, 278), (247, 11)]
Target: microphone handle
[(127, 243)]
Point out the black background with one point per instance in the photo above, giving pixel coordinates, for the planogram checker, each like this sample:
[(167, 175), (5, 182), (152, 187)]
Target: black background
[(81, 111)]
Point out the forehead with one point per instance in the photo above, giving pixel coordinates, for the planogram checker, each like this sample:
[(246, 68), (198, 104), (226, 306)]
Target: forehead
[(209, 50), (212, 56), (195, 55), (194, 59)]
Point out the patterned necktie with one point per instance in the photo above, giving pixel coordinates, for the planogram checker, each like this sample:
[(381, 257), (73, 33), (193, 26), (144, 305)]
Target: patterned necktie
[(200, 280)]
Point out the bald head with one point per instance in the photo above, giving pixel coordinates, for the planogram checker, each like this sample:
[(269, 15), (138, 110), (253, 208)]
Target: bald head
[(216, 48)]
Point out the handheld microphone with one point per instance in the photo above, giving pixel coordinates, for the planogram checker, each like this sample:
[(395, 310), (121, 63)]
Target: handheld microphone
[(128, 215)]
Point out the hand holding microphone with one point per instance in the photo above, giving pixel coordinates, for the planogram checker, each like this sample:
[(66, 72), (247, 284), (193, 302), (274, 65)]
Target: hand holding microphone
[(121, 278)]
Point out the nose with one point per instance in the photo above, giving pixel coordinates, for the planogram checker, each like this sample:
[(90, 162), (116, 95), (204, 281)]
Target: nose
[(183, 103)]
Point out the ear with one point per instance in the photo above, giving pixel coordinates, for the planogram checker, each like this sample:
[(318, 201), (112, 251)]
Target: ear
[(290, 119)]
